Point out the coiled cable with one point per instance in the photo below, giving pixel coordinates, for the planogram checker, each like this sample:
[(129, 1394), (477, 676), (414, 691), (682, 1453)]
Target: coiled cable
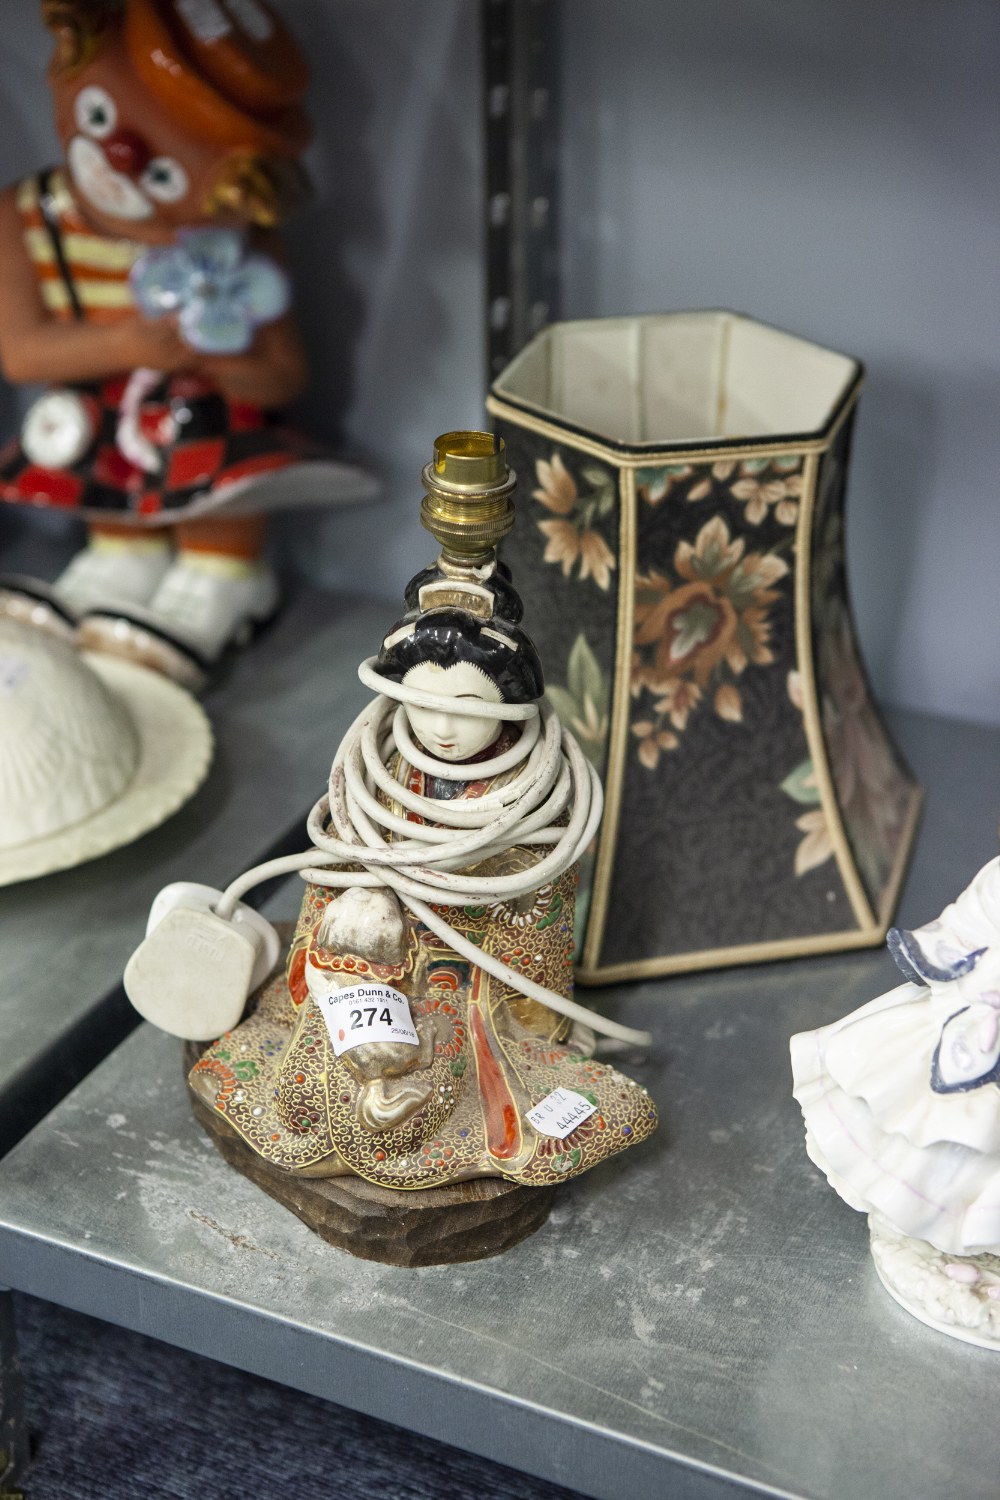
[(426, 863)]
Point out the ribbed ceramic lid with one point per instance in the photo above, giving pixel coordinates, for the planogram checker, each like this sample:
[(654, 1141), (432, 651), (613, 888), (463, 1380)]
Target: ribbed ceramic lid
[(68, 747)]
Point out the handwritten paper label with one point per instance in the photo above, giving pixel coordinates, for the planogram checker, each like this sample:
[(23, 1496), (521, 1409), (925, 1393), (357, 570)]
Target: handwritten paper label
[(367, 1013), (560, 1112)]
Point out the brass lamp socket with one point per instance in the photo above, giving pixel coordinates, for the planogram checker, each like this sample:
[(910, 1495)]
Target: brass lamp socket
[(467, 506)]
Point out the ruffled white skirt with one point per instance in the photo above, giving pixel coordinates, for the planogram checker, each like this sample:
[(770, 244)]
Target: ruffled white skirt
[(887, 1142)]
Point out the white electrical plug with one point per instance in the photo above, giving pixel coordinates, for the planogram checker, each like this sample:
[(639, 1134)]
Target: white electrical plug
[(193, 971)]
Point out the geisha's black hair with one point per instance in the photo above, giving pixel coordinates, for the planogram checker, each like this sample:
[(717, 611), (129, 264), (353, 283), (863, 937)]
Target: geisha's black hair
[(506, 600), (447, 636)]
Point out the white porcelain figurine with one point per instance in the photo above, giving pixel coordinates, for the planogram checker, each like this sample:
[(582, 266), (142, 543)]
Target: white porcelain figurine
[(902, 1107)]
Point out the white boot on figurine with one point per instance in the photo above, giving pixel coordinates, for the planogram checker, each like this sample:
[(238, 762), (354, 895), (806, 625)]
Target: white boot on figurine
[(205, 603), (110, 573), (114, 571), (212, 601)]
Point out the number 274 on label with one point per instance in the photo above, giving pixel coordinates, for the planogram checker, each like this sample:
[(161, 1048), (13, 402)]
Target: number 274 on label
[(367, 1013)]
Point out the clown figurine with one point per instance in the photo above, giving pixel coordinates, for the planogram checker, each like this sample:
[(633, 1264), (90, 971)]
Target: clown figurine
[(141, 282)]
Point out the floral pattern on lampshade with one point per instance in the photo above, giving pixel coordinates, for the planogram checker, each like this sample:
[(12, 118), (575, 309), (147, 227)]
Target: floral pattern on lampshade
[(874, 785), (574, 538), (663, 598), (699, 625)]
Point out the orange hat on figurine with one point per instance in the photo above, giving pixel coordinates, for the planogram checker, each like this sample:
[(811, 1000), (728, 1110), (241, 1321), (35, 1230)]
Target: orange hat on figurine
[(228, 69)]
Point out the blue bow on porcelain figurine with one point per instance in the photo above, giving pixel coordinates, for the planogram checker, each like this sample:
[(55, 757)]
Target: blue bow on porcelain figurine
[(958, 957), (967, 1055), (220, 291), (952, 945)]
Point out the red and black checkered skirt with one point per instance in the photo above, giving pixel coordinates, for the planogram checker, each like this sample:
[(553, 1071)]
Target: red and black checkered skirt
[(206, 444)]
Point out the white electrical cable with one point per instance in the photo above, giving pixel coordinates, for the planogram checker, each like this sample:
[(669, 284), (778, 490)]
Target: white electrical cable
[(427, 863)]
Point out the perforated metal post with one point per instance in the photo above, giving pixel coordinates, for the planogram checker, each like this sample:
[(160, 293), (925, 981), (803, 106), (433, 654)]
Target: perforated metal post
[(520, 53)]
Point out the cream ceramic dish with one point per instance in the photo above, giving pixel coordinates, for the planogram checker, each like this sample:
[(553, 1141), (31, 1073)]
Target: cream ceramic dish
[(94, 752)]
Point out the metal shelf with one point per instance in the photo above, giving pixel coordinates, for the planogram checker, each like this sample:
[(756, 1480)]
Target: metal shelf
[(697, 1315)]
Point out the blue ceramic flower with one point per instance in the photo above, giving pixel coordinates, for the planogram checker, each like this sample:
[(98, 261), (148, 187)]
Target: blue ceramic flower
[(219, 292)]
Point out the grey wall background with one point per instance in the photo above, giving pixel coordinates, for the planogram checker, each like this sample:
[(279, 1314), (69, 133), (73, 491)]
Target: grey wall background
[(830, 166), (827, 165)]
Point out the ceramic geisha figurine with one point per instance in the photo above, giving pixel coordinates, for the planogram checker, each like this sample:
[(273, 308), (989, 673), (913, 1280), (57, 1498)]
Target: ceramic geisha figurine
[(141, 281), (421, 1034), (902, 1107)]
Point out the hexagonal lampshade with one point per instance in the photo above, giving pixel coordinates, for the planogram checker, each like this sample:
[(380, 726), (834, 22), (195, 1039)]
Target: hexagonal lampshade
[(679, 548)]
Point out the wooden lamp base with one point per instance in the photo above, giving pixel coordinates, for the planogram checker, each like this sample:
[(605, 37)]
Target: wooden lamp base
[(429, 1227)]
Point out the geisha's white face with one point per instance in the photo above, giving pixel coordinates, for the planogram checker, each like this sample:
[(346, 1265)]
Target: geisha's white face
[(446, 735)]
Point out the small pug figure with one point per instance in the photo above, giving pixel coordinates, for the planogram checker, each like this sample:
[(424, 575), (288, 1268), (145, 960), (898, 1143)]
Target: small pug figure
[(370, 924), (140, 281)]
